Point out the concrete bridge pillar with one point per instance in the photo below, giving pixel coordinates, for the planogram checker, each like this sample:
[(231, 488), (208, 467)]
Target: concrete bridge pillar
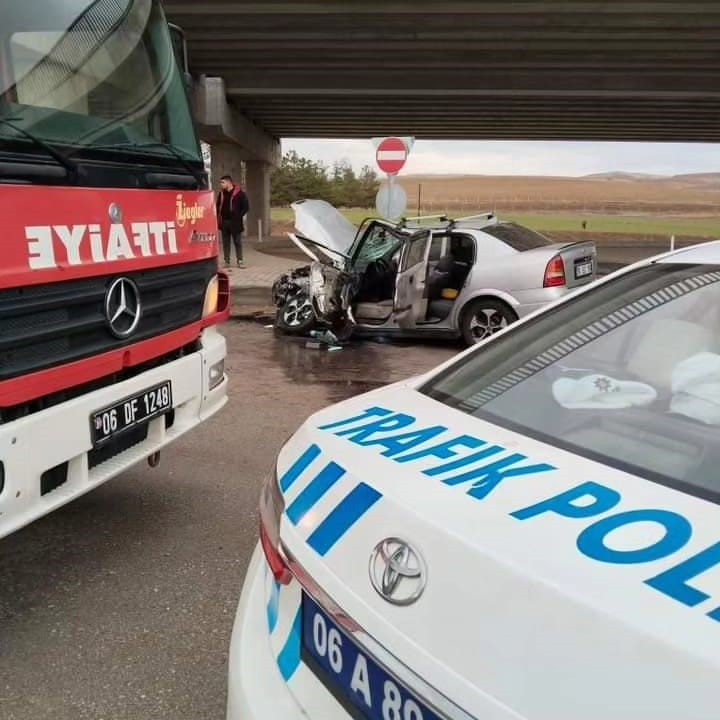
[(257, 181), (239, 148), (227, 159)]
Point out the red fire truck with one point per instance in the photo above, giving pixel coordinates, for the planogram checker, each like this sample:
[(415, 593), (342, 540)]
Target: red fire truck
[(110, 294)]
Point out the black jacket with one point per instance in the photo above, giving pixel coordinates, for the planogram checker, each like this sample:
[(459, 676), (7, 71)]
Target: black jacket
[(239, 207)]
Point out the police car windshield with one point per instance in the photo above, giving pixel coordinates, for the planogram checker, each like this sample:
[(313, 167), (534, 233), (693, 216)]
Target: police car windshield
[(83, 75), (627, 374)]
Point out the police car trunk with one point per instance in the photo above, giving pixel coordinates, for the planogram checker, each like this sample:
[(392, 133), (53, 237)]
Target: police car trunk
[(427, 559)]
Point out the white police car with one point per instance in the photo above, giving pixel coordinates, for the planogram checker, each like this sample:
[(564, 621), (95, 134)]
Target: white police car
[(531, 531)]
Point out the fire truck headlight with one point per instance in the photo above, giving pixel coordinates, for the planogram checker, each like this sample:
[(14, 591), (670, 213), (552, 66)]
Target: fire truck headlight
[(211, 297), (216, 374)]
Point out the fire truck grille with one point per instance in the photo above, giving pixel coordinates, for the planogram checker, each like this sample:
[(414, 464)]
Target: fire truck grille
[(47, 325)]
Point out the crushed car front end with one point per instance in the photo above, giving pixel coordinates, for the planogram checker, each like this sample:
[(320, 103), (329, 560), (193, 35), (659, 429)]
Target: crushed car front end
[(314, 295)]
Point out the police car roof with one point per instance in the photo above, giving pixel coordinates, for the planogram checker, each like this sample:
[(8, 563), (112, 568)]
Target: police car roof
[(704, 254)]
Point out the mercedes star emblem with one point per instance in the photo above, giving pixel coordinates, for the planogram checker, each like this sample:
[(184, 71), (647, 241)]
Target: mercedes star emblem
[(397, 571), (115, 213), (123, 308)]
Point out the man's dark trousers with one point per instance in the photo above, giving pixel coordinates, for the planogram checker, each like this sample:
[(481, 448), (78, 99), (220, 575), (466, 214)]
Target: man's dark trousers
[(230, 238)]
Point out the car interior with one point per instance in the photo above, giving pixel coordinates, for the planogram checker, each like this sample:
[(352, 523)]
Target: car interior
[(447, 274), (450, 261), (374, 300), (652, 437)]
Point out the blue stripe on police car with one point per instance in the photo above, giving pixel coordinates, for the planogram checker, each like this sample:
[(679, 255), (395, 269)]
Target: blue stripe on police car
[(342, 517)]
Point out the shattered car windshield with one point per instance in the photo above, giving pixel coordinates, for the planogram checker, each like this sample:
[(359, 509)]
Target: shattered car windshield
[(628, 374), (380, 242)]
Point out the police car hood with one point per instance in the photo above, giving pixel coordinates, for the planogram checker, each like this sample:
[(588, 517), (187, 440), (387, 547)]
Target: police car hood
[(552, 586)]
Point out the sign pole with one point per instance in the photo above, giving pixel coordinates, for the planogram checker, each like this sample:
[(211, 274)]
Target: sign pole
[(391, 185)]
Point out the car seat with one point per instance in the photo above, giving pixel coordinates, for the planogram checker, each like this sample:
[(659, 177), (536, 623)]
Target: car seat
[(441, 279), (662, 346)]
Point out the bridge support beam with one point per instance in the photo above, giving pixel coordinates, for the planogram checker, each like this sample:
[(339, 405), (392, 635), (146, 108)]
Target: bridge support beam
[(257, 178), (239, 148)]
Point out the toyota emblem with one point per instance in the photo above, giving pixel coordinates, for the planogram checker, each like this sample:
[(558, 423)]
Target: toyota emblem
[(123, 308), (397, 571)]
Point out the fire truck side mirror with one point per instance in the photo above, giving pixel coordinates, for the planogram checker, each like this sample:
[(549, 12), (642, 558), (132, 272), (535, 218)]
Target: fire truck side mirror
[(179, 44)]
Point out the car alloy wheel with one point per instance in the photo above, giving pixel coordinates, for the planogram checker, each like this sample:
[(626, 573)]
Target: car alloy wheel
[(484, 317), (297, 311), (486, 322)]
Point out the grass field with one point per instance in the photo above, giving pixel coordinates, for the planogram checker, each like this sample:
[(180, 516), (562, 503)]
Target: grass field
[(630, 225), (640, 225)]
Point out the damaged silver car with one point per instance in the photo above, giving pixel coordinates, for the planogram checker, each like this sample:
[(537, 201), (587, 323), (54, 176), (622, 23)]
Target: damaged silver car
[(468, 277)]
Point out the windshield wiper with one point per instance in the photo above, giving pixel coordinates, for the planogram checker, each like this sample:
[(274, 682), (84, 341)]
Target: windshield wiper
[(61, 158), (154, 144)]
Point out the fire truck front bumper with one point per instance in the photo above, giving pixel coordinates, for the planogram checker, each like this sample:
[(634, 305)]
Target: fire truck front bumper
[(50, 457)]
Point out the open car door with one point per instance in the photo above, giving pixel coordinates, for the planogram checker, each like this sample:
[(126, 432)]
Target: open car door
[(410, 302)]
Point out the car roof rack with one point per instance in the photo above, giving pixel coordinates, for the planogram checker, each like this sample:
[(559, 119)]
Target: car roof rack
[(444, 219), (468, 218), (423, 218), (486, 216)]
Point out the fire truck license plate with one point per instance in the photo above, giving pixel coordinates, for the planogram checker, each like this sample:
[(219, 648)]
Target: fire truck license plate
[(106, 424)]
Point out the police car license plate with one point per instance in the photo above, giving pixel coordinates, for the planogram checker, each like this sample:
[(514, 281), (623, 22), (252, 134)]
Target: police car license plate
[(143, 407), (356, 681)]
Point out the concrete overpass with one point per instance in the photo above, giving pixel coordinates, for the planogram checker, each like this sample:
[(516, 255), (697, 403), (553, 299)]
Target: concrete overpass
[(484, 69)]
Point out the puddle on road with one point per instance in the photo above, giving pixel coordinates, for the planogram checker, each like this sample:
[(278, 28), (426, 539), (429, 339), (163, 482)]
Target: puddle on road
[(360, 366), (356, 369)]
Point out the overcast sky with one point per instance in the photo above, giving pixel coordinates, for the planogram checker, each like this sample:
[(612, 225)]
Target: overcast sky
[(525, 157)]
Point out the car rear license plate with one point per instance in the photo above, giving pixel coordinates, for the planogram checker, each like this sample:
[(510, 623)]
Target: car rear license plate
[(583, 269), (356, 681), (143, 407)]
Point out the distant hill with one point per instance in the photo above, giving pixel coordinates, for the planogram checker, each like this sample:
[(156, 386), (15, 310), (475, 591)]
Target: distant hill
[(708, 181), (705, 181), (619, 175)]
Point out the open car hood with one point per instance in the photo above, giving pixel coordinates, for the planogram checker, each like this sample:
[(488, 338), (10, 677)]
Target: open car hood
[(318, 221)]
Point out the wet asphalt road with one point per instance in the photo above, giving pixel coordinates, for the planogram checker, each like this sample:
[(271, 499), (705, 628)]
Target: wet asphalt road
[(119, 606)]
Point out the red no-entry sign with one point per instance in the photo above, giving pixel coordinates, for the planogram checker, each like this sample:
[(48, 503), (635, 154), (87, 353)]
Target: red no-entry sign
[(391, 155)]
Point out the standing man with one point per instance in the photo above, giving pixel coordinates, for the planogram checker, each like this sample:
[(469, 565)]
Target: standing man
[(232, 206)]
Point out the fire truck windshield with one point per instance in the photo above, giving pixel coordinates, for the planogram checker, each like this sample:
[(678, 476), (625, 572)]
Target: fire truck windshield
[(93, 79)]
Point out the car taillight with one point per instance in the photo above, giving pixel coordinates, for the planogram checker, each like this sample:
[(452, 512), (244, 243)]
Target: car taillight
[(271, 509), (554, 273)]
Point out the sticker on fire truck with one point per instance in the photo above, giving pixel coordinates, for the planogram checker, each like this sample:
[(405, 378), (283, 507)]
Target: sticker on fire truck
[(59, 245)]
